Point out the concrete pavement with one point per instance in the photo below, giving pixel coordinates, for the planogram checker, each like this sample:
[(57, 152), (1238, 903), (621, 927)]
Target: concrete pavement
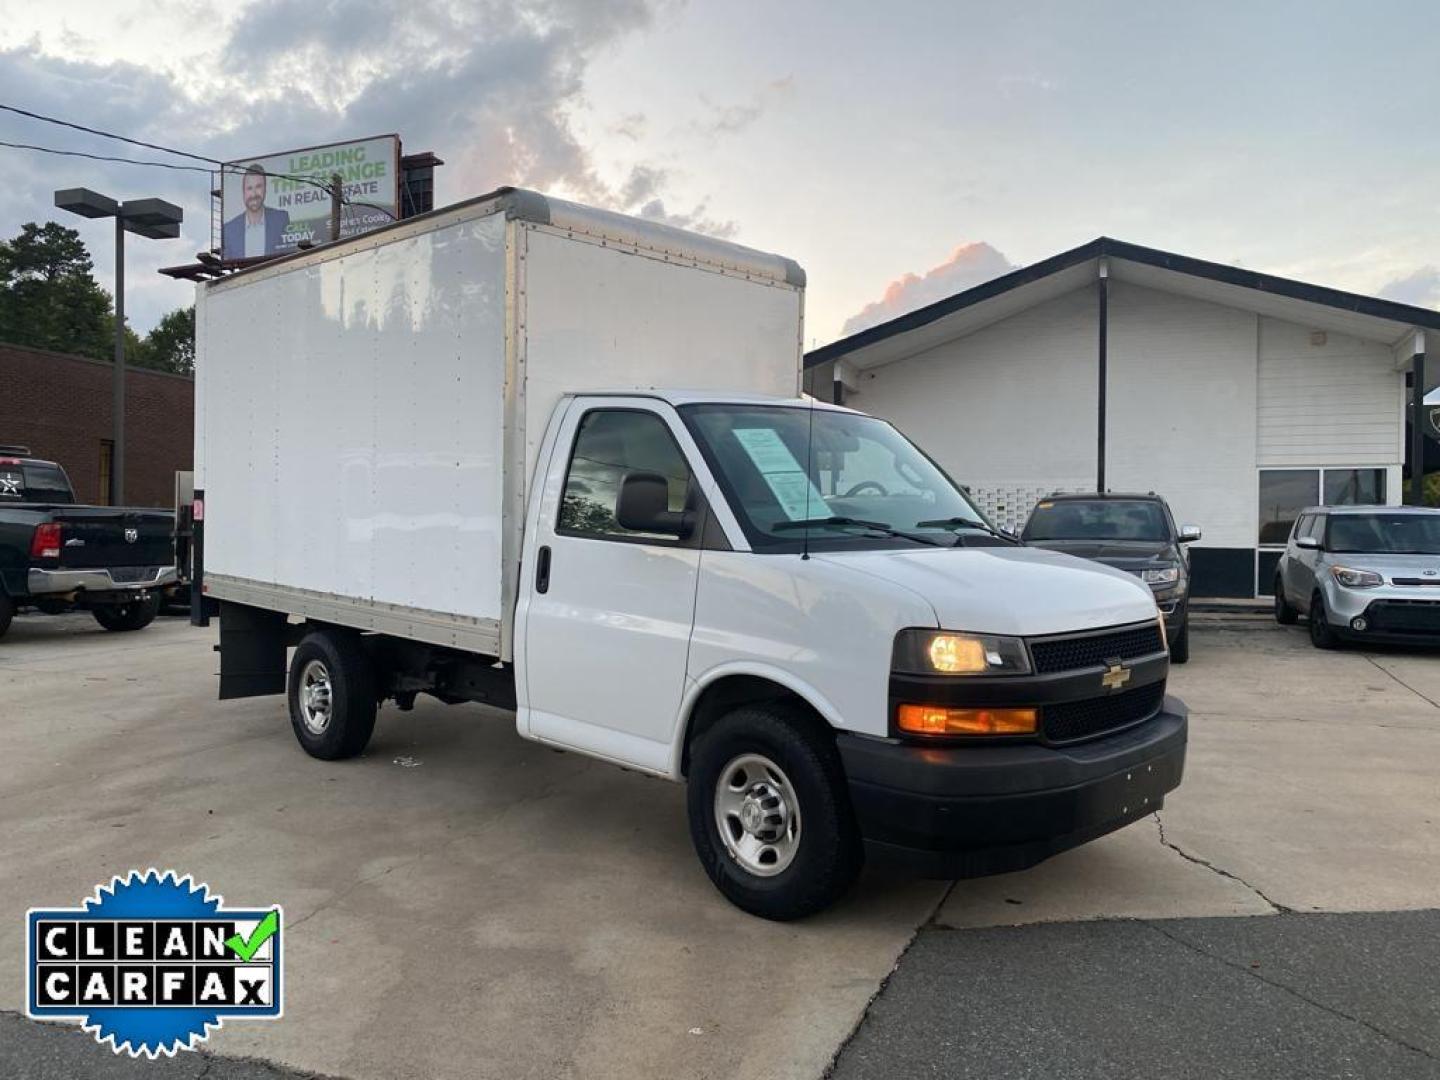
[(463, 903)]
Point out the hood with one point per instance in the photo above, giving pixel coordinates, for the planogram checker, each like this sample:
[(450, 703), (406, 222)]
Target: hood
[(1390, 566), (1011, 590), (1127, 554)]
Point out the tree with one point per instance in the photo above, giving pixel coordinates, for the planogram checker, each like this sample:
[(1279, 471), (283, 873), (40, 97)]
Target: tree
[(171, 345), (49, 298)]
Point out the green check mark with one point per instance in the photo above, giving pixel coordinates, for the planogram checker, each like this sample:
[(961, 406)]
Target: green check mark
[(244, 948)]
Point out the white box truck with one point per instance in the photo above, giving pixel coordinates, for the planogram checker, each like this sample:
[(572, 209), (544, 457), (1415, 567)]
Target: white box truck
[(549, 458)]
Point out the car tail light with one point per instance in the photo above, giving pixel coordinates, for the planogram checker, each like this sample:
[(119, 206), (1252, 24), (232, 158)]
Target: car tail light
[(45, 544)]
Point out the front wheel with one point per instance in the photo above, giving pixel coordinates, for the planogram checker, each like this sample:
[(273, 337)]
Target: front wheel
[(1180, 647), (131, 615), (332, 694), (769, 812), (1322, 634)]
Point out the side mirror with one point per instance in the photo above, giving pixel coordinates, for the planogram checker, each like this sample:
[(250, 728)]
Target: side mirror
[(644, 506), (1309, 543), (1189, 534)]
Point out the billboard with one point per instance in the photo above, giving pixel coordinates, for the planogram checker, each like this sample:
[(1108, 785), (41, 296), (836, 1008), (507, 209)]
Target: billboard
[(270, 204)]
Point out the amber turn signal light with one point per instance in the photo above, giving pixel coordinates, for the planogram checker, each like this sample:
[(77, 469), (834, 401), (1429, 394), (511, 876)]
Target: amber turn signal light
[(937, 720)]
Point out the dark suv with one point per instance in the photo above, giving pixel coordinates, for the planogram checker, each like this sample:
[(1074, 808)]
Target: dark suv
[(1134, 533)]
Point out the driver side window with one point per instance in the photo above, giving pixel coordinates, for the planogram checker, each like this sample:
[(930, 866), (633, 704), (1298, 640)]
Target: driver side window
[(610, 444)]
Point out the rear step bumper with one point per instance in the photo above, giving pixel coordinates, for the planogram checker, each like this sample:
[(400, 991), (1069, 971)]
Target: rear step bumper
[(48, 582)]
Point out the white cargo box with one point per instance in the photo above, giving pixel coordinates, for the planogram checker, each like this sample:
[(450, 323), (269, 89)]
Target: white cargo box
[(368, 413)]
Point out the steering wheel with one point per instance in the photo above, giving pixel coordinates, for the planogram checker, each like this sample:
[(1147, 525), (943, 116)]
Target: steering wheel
[(864, 485)]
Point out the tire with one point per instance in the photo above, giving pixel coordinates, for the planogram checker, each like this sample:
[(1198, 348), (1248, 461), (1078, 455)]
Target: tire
[(1285, 615), (131, 615), (1322, 634), (1180, 647), (331, 692), (783, 762), (7, 612)]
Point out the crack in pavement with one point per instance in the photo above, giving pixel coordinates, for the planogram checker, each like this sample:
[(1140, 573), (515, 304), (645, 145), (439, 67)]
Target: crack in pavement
[(928, 924), (1208, 865), (1380, 667), (1245, 969)]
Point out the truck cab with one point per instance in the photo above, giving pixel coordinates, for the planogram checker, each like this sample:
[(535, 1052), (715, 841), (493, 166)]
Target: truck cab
[(847, 656)]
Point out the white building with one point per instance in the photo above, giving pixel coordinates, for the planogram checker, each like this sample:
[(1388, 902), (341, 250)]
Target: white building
[(1241, 397)]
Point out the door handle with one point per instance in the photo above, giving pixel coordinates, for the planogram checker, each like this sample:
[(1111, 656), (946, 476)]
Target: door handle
[(542, 569)]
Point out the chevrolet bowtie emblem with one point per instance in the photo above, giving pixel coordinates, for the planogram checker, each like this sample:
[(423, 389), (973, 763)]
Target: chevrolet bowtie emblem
[(1116, 675)]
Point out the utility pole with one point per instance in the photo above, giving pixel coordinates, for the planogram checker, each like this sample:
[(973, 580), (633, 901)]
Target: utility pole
[(335, 181)]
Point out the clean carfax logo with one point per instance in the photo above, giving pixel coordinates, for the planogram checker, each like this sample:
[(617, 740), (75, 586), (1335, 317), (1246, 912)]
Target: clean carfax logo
[(152, 962)]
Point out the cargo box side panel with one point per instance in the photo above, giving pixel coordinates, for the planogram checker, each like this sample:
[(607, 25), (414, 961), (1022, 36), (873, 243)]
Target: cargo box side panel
[(354, 428), (604, 317)]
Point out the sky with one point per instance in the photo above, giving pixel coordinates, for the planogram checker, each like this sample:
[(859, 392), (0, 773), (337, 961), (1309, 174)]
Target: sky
[(900, 151)]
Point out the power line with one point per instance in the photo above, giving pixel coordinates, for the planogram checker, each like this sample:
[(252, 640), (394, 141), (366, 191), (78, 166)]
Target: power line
[(222, 166)]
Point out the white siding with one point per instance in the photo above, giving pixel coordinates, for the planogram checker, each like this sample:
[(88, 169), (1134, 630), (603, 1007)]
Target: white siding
[(1008, 410), (1181, 409), (1339, 403)]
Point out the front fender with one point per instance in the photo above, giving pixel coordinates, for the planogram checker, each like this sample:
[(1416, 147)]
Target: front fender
[(808, 693)]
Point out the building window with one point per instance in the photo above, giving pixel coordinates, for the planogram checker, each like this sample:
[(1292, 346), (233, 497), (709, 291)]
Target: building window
[(1285, 492), (1354, 487), (107, 465)]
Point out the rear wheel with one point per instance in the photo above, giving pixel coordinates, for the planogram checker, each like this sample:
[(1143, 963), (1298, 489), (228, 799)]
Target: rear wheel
[(131, 615), (1322, 634), (1285, 615), (332, 694), (770, 816), (7, 612)]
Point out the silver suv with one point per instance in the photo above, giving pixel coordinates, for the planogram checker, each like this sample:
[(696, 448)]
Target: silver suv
[(1362, 573)]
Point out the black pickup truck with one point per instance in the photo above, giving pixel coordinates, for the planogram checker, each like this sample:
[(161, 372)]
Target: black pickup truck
[(115, 562)]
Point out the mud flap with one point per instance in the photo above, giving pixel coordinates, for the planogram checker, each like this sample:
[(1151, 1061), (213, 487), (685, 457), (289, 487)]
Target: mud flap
[(252, 651)]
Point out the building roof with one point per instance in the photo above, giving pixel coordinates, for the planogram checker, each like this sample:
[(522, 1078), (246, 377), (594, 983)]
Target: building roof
[(1367, 317)]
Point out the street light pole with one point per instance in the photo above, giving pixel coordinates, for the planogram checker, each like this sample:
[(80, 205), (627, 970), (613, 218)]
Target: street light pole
[(117, 386), (152, 218)]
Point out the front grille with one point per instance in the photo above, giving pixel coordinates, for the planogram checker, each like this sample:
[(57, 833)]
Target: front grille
[(1075, 720), (1404, 616), (1094, 650), (1415, 581)]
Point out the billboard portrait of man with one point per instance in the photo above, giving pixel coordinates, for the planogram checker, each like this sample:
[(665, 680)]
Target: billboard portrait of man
[(259, 228)]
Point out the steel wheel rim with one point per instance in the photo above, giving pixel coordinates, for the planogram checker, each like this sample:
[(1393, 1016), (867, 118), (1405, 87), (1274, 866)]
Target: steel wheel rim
[(316, 697), (757, 815)]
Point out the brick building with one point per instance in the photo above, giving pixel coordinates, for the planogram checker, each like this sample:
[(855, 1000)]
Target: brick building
[(59, 406)]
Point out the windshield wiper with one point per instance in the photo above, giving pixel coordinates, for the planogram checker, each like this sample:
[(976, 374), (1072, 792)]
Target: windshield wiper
[(964, 523), (852, 523)]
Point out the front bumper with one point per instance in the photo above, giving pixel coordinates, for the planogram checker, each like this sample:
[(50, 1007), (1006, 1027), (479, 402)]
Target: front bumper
[(100, 580), (1391, 613), (951, 811)]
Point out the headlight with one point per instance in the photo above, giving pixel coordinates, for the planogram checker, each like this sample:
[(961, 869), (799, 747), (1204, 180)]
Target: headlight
[(1164, 575), (943, 652), (1356, 579)]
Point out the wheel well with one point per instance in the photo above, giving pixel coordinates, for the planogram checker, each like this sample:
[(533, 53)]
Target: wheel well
[(727, 693)]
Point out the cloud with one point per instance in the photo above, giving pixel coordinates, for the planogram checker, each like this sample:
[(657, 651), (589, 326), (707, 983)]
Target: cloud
[(490, 86), (731, 119), (1422, 288), (969, 265)]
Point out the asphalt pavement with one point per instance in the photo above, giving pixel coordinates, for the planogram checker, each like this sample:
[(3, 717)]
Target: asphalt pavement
[(1308, 997)]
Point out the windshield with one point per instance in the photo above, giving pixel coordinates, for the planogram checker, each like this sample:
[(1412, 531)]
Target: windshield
[(1390, 534), (33, 483), (860, 469), (1097, 519)]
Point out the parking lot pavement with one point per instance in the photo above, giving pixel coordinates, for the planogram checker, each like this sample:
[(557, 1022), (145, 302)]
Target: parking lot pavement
[(460, 902), (1300, 996), (485, 907)]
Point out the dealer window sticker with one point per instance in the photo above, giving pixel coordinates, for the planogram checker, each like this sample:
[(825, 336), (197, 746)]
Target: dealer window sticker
[(796, 493)]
